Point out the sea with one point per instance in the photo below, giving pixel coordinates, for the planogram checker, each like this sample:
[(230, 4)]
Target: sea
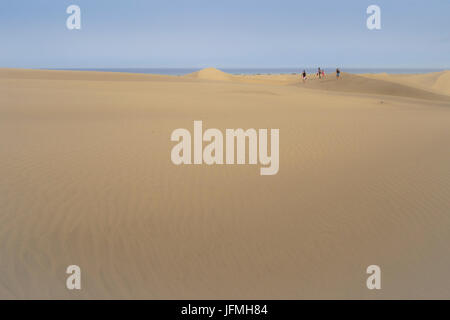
[(256, 71)]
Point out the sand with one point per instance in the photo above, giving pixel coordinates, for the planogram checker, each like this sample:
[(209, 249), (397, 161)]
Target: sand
[(86, 179), (438, 82)]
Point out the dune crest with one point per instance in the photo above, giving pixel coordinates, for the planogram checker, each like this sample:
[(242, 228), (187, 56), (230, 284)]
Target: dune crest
[(437, 82), (379, 84), (442, 83), (211, 74)]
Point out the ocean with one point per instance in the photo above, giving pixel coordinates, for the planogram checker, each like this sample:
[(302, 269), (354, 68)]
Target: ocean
[(183, 71)]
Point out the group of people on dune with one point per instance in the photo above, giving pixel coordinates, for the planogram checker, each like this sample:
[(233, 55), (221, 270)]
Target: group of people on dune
[(321, 74)]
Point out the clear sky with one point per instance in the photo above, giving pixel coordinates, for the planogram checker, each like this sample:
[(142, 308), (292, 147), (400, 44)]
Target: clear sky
[(224, 33)]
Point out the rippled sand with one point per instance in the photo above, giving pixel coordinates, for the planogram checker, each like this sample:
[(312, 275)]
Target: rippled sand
[(86, 179)]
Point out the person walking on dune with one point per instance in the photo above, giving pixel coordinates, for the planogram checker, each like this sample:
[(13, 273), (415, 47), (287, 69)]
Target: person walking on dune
[(338, 73), (304, 76)]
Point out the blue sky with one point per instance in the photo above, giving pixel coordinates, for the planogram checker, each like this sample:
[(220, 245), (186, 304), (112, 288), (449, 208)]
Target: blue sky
[(244, 33)]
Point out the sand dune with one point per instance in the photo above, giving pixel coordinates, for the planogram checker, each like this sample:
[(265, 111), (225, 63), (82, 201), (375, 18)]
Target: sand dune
[(438, 82), (211, 74), (442, 84), (360, 84), (48, 75), (429, 86), (86, 179)]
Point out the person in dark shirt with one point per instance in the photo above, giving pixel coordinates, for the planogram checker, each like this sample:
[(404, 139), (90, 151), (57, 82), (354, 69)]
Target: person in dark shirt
[(338, 73), (304, 75)]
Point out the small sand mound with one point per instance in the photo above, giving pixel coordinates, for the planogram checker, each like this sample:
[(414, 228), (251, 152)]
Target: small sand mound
[(211, 74)]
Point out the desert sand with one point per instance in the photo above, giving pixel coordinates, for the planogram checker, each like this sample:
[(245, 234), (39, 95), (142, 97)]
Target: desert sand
[(86, 179), (438, 82)]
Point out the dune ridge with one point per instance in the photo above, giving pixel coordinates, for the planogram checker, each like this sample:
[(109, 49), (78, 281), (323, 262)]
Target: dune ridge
[(365, 85), (433, 86), (437, 86), (438, 82), (442, 84)]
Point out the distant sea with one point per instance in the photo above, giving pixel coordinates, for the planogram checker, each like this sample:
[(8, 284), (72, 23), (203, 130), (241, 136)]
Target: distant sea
[(183, 71)]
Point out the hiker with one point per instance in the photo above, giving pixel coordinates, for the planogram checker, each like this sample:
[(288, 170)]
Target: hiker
[(304, 76), (338, 73)]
